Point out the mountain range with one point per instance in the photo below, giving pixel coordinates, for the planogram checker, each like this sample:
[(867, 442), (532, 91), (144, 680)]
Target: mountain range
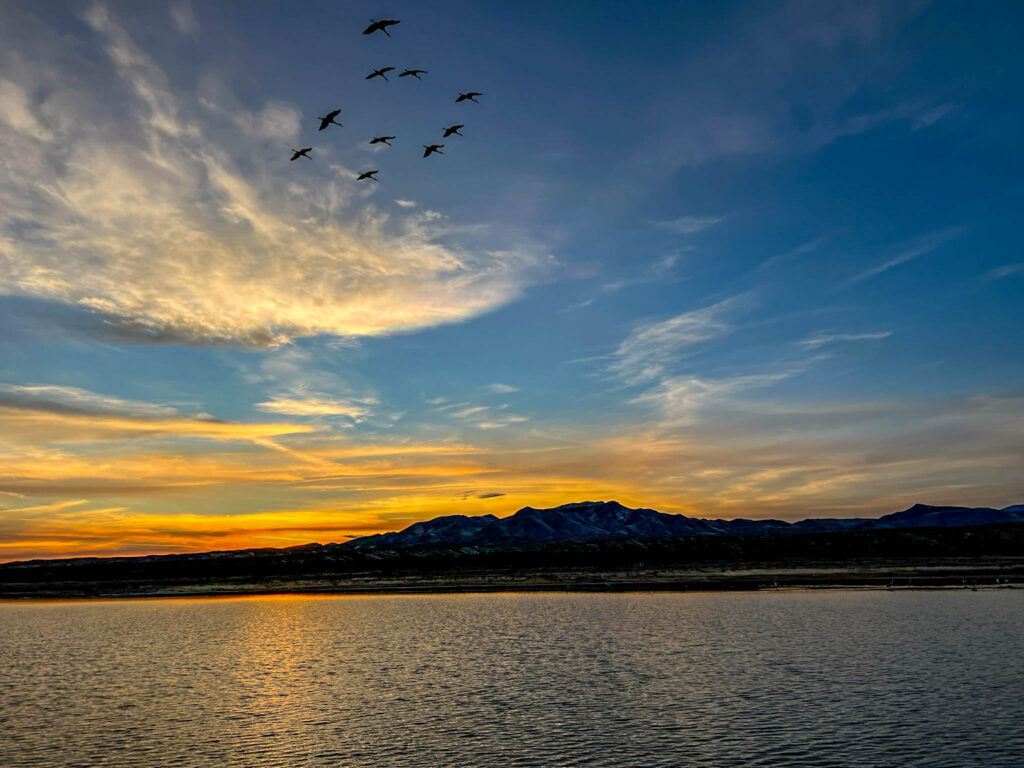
[(593, 520)]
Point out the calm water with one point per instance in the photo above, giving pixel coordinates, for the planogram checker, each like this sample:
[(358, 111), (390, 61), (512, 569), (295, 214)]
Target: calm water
[(768, 679)]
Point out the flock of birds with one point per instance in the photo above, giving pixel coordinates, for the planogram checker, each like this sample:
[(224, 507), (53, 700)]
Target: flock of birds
[(331, 117)]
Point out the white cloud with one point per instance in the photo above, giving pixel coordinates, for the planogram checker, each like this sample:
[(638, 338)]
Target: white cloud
[(1008, 270), (652, 348), (823, 339), (151, 222), (915, 248), (688, 225), (406, 203), (683, 399), (184, 18), (503, 388), (800, 250)]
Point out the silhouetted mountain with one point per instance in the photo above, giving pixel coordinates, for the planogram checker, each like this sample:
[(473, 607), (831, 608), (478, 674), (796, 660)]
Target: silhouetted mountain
[(448, 530), (592, 520)]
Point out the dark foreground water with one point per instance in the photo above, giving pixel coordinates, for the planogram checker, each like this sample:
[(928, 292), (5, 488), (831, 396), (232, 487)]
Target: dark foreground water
[(768, 679)]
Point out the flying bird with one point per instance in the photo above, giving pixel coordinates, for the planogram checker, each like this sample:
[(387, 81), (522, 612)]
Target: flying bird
[(414, 72), (328, 119), (304, 152), (471, 96), (382, 140), (382, 72), (431, 148), (367, 175), (452, 129), (382, 25)]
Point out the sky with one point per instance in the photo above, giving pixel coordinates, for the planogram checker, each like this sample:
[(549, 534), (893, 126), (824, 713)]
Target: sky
[(734, 259)]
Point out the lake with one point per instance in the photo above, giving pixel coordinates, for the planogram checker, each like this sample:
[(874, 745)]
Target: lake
[(811, 678)]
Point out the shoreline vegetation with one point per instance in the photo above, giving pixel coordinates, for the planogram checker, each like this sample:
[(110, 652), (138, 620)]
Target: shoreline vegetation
[(886, 579), (969, 557)]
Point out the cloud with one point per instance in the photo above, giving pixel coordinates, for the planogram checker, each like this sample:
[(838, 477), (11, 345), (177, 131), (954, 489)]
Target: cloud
[(652, 348), (1009, 270), (909, 251), (34, 415), (184, 18), (800, 250), (684, 399), (503, 388), (823, 339), (182, 222), (16, 111), (744, 89), (406, 203), (688, 225), (316, 406), (302, 387), (74, 400)]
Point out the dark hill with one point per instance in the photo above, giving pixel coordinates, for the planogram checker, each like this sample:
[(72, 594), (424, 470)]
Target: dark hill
[(593, 520)]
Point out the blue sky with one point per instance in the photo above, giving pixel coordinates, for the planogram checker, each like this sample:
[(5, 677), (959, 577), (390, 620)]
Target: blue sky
[(736, 259)]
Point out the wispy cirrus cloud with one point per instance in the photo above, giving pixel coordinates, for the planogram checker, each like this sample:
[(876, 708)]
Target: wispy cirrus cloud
[(801, 250), (743, 91), (913, 249), (184, 18), (1008, 270), (152, 224), (685, 399), (688, 225), (652, 348), (825, 339)]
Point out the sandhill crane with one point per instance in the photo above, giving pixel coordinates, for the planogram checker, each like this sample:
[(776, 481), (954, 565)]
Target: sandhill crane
[(382, 25), (431, 148), (382, 140), (382, 72), (367, 175), (414, 72), (304, 152), (452, 129), (328, 119), (470, 96)]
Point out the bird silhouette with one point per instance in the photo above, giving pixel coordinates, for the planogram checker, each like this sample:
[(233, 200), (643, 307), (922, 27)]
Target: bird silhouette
[(431, 148), (367, 175), (452, 129), (414, 72), (470, 96), (304, 152), (382, 25), (328, 119), (382, 72), (382, 140)]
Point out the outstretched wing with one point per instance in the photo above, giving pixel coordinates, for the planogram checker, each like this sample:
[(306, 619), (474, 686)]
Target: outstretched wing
[(372, 28)]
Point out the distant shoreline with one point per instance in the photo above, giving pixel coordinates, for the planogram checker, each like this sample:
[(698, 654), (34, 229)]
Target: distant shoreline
[(985, 577)]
